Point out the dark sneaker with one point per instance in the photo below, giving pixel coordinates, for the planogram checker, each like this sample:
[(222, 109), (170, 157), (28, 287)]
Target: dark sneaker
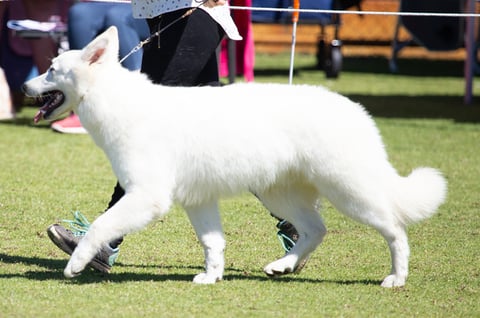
[(288, 237), (67, 240)]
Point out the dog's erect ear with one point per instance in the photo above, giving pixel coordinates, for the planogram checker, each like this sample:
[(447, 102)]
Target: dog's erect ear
[(103, 48)]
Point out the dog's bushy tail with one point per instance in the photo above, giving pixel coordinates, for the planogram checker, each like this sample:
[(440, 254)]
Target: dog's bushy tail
[(420, 194)]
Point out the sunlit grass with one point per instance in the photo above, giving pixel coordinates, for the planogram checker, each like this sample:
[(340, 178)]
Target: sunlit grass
[(44, 176)]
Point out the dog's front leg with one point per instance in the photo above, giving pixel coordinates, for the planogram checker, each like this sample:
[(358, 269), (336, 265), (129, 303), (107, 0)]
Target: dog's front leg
[(131, 213), (206, 222)]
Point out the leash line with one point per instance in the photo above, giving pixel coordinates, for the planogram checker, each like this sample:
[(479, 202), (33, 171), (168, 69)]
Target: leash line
[(156, 34)]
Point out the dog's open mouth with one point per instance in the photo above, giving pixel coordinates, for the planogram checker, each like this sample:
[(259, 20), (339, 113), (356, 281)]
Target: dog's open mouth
[(50, 101)]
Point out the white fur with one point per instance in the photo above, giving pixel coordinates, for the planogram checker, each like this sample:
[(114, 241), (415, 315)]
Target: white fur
[(289, 145)]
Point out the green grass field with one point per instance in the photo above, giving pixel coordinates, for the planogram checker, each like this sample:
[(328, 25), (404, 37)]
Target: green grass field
[(45, 176)]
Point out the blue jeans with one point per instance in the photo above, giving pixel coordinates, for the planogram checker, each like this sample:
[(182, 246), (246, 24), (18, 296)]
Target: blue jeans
[(87, 19)]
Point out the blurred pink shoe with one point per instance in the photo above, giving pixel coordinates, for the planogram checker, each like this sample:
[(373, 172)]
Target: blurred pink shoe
[(69, 125)]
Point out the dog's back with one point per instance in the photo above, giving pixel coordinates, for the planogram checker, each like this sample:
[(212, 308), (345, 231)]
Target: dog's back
[(219, 141), (235, 132)]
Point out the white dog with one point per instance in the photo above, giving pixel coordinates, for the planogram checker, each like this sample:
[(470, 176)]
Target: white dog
[(290, 145)]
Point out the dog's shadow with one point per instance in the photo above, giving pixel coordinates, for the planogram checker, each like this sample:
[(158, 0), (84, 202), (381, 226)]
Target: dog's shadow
[(52, 269)]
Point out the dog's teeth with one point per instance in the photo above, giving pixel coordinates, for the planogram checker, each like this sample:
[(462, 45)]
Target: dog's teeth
[(38, 116)]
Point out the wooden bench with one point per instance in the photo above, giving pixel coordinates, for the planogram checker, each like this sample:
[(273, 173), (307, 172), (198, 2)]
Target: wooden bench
[(365, 35)]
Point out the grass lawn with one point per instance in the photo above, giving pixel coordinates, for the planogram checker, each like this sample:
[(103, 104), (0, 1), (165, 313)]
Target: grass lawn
[(45, 176)]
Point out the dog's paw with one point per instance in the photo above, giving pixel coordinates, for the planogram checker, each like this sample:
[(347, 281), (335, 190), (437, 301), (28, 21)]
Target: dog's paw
[(279, 267), (393, 281), (71, 270), (204, 278), (68, 273)]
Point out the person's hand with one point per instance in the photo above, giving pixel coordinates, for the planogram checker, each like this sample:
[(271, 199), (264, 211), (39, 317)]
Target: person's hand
[(213, 3)]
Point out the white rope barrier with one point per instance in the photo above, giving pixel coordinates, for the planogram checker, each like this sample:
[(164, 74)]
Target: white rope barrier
[(326, 11), (360, 12)]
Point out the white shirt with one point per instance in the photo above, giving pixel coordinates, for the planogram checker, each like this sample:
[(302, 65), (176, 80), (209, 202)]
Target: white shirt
[(146, 9)]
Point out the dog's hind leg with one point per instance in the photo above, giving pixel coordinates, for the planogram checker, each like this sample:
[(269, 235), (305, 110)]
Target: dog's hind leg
[(378, 214), (131, 213), (397, 240), (206, 221), (298, 205), (396, 236)]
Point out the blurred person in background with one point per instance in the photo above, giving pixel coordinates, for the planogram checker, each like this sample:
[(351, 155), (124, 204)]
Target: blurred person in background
[(86, 20), (19, 57)]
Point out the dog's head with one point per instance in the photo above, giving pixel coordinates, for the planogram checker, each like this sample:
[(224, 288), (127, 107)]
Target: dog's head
[(62, 88)]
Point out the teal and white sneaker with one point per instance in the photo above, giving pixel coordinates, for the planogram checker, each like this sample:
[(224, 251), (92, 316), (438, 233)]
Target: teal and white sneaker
[(288, 237), (67, 240)]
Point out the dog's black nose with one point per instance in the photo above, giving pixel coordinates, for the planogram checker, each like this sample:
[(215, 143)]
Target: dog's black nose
[(24, 88)]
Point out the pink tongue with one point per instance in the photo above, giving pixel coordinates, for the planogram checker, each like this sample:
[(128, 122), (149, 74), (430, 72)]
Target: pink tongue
[(38, 116)]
